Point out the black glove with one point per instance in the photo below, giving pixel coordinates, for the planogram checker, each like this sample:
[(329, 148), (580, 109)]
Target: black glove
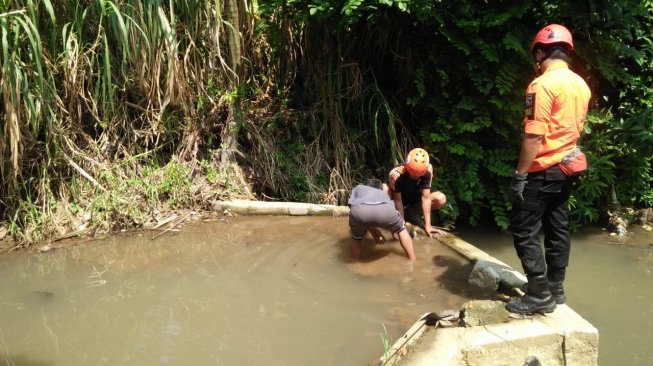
[(517, 185)]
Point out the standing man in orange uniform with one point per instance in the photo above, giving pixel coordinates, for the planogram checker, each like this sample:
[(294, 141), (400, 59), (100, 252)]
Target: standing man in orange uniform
[(410, 189), (555, 110)]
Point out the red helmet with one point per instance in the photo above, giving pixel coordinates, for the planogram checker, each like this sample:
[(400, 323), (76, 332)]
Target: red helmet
[(417, 162), (554, 34)]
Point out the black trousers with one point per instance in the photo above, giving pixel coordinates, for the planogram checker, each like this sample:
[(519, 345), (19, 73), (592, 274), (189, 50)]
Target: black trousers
[(545, 209)]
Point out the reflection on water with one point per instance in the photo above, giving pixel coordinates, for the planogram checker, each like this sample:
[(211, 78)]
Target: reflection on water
[(254, 290), (609, 283)]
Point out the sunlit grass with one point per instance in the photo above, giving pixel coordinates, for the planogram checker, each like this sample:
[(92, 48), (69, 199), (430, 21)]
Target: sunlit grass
[(117, 109), (88, 86)]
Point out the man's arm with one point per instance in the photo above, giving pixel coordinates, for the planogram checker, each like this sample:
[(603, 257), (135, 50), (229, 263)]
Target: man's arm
[(529, 147), (399, 203), (407, 244), (426, 211)]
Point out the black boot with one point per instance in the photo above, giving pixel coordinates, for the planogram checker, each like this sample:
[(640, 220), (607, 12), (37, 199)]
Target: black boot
[(556, 276), (538, 299), (558, 292)]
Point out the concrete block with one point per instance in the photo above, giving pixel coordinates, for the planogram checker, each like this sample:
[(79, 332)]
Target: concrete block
[(482, 312), (561, 338)]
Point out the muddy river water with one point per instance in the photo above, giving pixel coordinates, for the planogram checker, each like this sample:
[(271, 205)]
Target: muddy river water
[(280, 291), (246, 291)]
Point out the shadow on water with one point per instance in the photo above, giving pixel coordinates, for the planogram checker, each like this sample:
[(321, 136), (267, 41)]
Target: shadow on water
[(454, 278), (370, 252), (42, 296)]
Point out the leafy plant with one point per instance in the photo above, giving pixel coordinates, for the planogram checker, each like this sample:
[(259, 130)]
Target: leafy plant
[(176, 184)]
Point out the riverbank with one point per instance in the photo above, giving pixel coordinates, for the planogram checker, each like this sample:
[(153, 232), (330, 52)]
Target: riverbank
[(174, 219), (169, 219)]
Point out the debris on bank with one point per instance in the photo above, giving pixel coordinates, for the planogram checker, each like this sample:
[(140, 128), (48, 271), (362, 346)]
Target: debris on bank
[(620, 219), (618, 223)]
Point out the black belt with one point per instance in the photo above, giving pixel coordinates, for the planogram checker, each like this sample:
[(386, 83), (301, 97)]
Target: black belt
[(551, 173)]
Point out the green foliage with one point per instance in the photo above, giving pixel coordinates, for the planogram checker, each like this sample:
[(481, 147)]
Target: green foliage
[(472, 115), (27, 221), (223, 178), (453, 74), (290, 157), (212, 174), (320, 94), (103, 81), (176, 185), (617, 161)]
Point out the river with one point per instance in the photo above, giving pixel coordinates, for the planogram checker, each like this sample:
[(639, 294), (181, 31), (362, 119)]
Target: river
[(282, 291), (609, 283), (241, 291)]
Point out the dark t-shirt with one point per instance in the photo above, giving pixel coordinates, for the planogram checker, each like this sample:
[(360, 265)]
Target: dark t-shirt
[(410, 189)]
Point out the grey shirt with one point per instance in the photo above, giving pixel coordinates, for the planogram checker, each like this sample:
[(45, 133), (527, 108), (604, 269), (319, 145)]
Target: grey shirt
[(366, 195)]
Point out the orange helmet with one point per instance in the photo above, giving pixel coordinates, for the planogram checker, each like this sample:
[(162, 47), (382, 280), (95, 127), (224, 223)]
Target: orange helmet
[(417, 162), (554, 34)]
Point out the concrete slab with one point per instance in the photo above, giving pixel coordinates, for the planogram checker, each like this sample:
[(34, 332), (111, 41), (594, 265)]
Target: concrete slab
[(560, 338)]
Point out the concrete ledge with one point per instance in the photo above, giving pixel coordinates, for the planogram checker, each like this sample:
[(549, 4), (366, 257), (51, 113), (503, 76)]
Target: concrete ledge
[(560, 338), (245, 207)]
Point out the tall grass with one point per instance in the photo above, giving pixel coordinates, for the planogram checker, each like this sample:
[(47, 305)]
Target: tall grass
[(349, 127), (103, 99), (93, 90), (27, 85)]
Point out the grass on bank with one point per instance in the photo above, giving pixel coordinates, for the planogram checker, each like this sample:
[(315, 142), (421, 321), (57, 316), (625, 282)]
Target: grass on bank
[(118, 198)]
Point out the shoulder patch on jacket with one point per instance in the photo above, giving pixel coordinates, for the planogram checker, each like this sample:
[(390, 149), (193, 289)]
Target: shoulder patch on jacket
[(529, 106)]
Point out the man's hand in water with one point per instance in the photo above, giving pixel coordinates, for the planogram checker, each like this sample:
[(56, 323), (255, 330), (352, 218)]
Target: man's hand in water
[(376, 234), (433, 230)]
